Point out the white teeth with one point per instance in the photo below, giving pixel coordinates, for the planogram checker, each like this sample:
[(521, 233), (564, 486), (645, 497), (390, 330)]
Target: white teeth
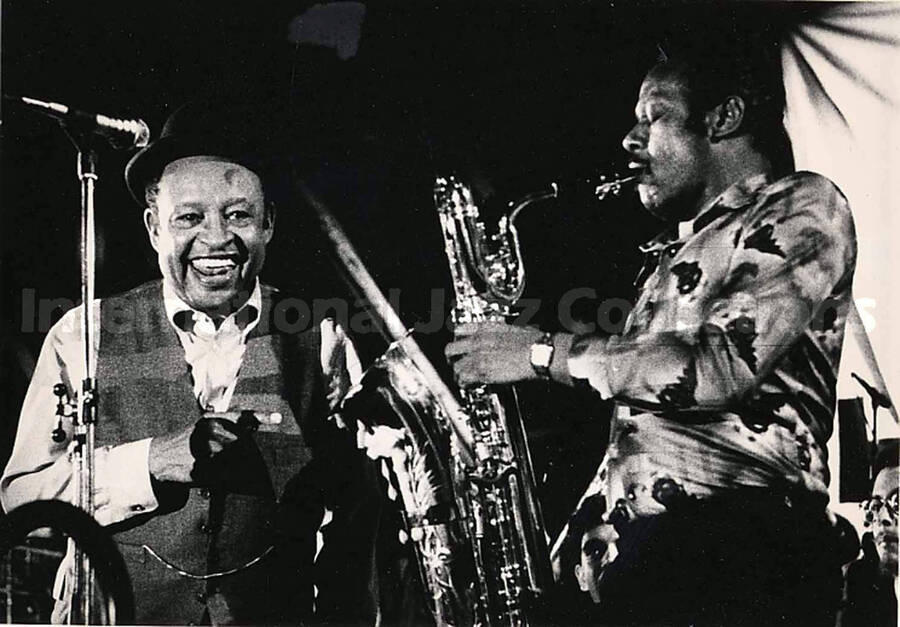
[(213, 265), (634, 165)]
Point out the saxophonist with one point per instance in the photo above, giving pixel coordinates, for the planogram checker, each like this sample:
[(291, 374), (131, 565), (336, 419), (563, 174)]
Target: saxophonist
[(716, 473)]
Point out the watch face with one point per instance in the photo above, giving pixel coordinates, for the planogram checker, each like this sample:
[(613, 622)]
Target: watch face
[(540, 355)]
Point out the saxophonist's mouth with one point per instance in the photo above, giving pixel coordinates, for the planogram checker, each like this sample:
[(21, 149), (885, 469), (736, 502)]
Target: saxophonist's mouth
[(639, 171), (638, 167)]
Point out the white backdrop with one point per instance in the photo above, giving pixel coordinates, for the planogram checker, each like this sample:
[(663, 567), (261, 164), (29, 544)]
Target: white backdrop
[(842, 76)]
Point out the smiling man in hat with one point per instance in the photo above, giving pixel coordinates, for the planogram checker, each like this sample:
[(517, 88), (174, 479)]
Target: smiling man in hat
[(217, 465)]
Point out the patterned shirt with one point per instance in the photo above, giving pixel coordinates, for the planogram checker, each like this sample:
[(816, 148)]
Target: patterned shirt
[(725, 371)]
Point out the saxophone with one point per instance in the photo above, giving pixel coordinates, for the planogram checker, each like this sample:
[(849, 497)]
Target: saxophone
[(462, 471), (495, 493)]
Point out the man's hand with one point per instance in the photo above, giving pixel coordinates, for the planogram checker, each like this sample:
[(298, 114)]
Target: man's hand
[(174, 455), (492, 352)]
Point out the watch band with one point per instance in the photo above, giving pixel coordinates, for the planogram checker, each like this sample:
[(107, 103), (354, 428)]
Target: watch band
[(542, 355)]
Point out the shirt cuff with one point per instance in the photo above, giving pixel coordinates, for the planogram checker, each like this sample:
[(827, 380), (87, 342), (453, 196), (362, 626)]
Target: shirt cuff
[(122, 487), (587, 360)]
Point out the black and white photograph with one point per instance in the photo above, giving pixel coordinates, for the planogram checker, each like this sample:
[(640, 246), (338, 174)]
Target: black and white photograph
[(449, 313)]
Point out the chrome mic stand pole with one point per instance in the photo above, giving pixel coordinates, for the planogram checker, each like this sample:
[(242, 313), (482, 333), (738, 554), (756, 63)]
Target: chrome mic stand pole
[(84, 418), (83, 130)]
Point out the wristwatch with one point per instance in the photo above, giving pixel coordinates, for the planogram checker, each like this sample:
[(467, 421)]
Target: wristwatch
[(542, 355)]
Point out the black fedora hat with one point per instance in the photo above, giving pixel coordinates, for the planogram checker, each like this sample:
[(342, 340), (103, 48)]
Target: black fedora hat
[(242, 133)]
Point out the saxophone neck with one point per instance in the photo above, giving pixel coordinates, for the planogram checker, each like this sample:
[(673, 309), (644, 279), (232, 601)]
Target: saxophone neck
[(515, 206), (485, 266)]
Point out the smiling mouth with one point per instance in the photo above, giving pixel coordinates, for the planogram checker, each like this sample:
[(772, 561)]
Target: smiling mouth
[(213, 268)]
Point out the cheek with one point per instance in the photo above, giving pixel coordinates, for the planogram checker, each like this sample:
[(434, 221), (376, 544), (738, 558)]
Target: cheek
[(659, 141), (254, 239), (174, 245), (672, 147)]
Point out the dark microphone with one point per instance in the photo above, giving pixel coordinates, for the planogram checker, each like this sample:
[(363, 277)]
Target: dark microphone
[(120, 133), (878, 398)]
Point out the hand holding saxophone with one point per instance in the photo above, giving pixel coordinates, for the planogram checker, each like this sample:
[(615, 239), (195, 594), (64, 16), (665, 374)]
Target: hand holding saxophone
[(492, 353)]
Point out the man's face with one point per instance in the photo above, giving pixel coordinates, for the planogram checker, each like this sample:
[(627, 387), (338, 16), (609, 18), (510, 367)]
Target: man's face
[(210, 230), (883, 512), (676, 159), (598, 549)]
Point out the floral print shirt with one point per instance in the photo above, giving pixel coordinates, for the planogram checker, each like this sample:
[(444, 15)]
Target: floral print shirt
[(726, 369)]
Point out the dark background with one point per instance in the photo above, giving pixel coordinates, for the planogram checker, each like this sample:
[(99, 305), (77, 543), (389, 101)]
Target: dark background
[(512, 95)]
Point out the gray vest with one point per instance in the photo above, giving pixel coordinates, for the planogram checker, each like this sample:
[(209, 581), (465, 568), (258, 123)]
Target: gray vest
[(267, 491)]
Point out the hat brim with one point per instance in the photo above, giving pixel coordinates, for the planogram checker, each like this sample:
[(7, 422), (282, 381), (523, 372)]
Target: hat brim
[(148, 163)]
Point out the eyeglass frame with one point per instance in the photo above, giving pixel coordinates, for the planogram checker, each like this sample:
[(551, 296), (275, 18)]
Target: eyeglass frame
[(872, 506)]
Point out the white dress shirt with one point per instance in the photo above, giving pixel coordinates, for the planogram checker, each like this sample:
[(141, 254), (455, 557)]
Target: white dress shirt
[(39, 468)]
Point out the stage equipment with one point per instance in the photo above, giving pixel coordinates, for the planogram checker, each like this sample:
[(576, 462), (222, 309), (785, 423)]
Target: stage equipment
[(115, 602), (879, 399), (122, 134), (80, 405)]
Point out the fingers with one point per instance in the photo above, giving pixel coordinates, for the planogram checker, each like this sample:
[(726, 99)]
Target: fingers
[(459, 347), (472, 328), (476, 337), (468, 371), (221, 433), (247, 419), (491, 353), (211, 436), (489, 336), (217, 430), (485, 369)]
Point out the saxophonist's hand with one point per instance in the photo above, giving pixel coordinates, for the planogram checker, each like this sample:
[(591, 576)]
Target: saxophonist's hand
[(492, 352)]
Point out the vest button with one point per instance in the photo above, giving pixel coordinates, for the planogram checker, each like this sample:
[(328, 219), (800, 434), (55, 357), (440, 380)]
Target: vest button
[(205, 528), (201, 597), (204, 493)]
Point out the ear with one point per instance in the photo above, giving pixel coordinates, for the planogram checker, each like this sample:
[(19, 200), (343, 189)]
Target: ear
[(725, 119), (269, 220), (151, 222)]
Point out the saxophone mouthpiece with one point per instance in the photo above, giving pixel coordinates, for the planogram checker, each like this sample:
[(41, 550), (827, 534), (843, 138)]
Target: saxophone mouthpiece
[(613, 186)]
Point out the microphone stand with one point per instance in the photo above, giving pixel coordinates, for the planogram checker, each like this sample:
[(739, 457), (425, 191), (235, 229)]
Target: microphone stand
[(879, 399), (83, 130), (85, 417)]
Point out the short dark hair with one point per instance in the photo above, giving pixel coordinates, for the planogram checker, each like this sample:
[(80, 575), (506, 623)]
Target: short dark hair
[(588, 515), (887, 454), (151, 191), (715, 67)]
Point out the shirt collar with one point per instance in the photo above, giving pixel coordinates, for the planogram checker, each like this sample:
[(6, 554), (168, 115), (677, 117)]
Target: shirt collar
[(737, 196), (176, 309)]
